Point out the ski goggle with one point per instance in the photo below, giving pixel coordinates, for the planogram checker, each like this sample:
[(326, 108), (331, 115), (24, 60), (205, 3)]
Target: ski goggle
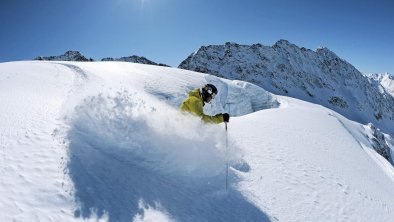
[(210, 92)]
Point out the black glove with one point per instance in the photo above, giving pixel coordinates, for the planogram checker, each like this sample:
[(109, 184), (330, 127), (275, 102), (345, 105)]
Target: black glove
[(226, 117)]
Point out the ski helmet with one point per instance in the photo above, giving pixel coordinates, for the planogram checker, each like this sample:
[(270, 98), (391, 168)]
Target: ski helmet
[(209, 90)]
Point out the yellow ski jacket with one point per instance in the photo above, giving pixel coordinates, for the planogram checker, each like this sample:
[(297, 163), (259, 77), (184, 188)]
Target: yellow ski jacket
[(194, 105)]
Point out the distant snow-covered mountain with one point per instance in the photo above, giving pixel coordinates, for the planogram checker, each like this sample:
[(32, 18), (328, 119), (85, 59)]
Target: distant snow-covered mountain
[(76, 56), (67, 56), (316, 76), (385, 80), (134, 59)]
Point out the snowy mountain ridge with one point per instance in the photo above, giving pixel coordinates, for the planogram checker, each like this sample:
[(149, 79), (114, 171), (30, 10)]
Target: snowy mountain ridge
[(134, 59), (76, 56), (316, 76), (67, 56)]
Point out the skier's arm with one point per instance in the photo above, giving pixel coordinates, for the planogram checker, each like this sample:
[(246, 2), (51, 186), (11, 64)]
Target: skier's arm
[(198, 110)]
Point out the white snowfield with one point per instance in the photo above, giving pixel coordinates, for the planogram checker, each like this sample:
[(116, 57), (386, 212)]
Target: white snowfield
[(104, 141)]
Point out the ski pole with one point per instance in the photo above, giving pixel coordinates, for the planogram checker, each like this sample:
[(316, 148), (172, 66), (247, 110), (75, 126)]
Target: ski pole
[(225, 124)]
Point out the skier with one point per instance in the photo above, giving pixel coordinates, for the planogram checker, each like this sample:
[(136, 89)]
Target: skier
[(196, 100)]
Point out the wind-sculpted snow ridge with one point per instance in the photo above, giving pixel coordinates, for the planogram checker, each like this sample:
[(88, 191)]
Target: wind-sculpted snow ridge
[(127, 151), (315, 76)]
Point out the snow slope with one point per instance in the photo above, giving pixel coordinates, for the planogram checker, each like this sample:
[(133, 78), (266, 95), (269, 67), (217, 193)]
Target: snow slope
[(103, 141)]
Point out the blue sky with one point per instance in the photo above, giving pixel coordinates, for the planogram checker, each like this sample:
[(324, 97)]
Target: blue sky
[(167, 31)]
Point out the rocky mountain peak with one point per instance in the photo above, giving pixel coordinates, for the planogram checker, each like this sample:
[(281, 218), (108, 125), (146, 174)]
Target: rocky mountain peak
[(231, 45), (77, 56), (324, 51), (72, 53), (282, 42), (67, 56), (134, 59), (316, 76)]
